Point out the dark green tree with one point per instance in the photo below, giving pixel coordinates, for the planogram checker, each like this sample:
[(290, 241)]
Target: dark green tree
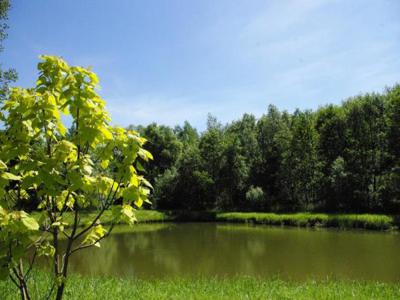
[(330, 125), (392, 178), (301, 169), (366, 151), (187, 134), (272, 130), (165, 147)]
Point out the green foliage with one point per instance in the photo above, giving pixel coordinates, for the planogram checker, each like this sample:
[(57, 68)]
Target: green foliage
[(164, 189), (255, 197), (187, 134), (44, 167), (193, 189), (340, 158), (16, 236), (164, 145), (300, 167)]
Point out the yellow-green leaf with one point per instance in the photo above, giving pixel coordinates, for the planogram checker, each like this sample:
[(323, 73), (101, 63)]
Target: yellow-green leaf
[(10, 176), (3, 166), (29, 222)]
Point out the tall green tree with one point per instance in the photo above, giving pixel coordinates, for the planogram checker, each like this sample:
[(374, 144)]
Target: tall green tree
[(330, 126), (365, 151), (301, 170), (240, 153), (392, 182), (272, 133)]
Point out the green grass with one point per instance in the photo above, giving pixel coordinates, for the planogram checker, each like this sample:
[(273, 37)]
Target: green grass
[(207, 288), (364, 221), (345, 221)]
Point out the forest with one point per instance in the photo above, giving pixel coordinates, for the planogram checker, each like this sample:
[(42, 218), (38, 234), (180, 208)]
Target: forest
[(339, 158)]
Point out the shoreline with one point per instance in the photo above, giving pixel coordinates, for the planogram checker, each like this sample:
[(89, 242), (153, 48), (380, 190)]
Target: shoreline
[(376, 222)]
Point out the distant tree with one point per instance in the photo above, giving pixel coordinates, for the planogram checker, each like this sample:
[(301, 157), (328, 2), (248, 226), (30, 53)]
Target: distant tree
[(336, 184), (301, 169), (187, 134), (165, 190), (330, 126), (165, 147), (271, 138), (240, 154), (9, 75), (393, 113), (245, 131), (212, 122), (365, 151), (338, 158), (392, 178), (194, 185), (234, 176), (212, 147), (256, 199)]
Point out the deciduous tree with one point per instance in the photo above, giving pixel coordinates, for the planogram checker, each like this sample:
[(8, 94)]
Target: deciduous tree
[(64, 172)]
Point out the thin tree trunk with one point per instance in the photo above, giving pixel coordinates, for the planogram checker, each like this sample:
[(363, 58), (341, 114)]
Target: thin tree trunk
[(24, 291), (60, 291), (23, 288)]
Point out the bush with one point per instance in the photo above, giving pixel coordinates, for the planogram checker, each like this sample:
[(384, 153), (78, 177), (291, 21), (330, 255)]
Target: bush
[(255, 198)]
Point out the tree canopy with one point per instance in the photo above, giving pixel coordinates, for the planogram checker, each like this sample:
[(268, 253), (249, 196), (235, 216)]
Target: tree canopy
[(340, 158)]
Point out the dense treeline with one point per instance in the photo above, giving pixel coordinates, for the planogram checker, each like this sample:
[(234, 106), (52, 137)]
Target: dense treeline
[(338, 158)]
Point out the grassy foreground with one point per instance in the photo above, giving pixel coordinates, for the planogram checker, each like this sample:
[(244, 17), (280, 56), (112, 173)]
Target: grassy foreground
[(207, 288)]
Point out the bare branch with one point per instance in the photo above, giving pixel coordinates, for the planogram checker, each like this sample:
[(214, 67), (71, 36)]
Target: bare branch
[(13, 280)]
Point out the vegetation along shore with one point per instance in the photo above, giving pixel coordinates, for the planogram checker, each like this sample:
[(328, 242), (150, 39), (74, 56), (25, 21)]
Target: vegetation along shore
[(343, 221)]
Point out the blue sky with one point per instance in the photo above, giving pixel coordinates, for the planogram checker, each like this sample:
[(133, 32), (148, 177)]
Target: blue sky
[(168, 61)]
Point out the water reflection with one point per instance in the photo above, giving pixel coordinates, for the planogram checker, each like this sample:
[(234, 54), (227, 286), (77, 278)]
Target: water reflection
[(227, 250)]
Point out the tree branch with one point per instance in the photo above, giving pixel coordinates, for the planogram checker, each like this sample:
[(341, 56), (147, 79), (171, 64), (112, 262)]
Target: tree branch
[(103, 209), (30, 266), (81, 247)]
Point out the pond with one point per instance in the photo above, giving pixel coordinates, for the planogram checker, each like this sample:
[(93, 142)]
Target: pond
[(211, 249)]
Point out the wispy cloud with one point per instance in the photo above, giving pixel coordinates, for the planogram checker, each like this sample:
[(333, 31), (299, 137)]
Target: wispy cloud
[(145, 109), (279, 17)]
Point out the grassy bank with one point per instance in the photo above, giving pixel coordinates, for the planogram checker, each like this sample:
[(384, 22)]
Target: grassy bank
[(364, 221), (208, 288), (345, 221)]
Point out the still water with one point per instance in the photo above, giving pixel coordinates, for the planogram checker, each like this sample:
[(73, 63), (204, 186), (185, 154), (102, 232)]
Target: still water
[(209, 249)]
